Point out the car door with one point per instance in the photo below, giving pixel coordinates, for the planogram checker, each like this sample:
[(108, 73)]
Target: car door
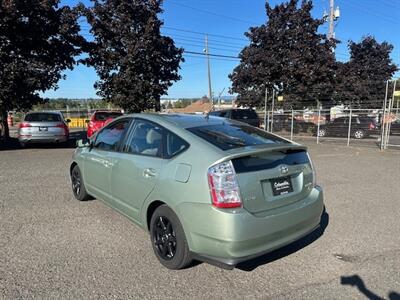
[(98, 161), (338, 126), (136, 168)]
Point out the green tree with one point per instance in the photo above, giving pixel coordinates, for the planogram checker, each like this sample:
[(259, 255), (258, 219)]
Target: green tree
[(361, 81), (38, 40), (135, 63), (289, 54)]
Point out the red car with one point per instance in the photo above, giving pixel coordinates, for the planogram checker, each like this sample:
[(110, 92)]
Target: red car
[(99, 119)]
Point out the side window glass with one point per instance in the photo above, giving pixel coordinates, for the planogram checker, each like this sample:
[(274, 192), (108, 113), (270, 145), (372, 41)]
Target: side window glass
[(108, 138), (174, 145), (146, 139)]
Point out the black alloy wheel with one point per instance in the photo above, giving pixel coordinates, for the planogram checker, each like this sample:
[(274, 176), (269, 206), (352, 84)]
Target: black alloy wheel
[(168, 239), (78, 187), (164, 238)]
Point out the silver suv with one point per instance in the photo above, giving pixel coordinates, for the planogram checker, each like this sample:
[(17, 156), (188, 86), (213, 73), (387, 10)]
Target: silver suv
[(43, 127)]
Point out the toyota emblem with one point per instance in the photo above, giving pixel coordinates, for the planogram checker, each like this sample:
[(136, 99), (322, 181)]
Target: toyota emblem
[(284, 169)]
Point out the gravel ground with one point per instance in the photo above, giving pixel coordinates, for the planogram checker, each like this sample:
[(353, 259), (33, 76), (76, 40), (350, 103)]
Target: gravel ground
[(52, 246)]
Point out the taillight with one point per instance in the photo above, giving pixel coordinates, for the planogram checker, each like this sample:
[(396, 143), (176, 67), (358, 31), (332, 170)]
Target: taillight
[(314, 174), (24, 125), (63, 126), (224, 186), (371, 126)]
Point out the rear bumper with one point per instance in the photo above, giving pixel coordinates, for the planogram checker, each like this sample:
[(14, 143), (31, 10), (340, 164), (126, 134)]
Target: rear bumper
[(232, 237), (42, 139)]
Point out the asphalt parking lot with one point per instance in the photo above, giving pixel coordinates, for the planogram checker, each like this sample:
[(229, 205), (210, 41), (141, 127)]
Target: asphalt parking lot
[(52, 246)]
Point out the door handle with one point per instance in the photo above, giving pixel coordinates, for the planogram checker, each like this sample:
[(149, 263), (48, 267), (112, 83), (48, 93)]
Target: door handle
[(149, 172)]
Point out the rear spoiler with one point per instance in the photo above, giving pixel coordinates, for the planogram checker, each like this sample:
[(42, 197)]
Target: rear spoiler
[(242, 152)]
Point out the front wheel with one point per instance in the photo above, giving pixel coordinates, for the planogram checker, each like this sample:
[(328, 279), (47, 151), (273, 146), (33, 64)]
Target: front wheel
[(359, 134), (168, 239), (78, 187)]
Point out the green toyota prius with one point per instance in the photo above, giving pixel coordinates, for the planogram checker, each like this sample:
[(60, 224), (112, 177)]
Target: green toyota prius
[(206, 188)]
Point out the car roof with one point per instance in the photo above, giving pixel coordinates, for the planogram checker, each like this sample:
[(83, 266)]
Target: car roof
[(44, 112), (183, 120)]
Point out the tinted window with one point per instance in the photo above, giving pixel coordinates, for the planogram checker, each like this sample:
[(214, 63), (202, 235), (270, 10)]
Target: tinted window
[(270, 160), (244, 114), (43, 117), (229, 136), (146, 139), (220, 113), (108, 138), (174, 145), (102, 116), (339, 121)]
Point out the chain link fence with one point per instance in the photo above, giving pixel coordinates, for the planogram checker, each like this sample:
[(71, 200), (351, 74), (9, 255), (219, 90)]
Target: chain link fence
[(358, 127)]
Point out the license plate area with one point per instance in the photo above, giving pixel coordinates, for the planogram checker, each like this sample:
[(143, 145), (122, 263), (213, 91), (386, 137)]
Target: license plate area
[(42, 128), (281, 186)]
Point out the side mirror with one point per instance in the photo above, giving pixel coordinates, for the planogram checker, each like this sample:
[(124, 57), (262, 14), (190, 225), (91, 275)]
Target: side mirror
[(81, 144), (68, 120)]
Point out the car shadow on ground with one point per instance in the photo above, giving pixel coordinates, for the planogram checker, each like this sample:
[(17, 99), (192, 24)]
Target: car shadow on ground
[(252, 264), (13, 144), (356, 281)]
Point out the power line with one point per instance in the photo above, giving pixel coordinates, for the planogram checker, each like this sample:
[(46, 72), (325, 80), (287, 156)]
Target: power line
[(211, 13), (371, 12), (212, 55), (212, 58), (199, 40), (205, 33)]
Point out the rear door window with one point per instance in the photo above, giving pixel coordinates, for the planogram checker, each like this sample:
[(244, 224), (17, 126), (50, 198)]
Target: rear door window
[(230, 136), (174, 145), (146, 139), (42, 117), (109, 138)]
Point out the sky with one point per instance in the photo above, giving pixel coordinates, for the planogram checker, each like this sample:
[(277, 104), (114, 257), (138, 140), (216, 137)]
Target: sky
[(225, 22)]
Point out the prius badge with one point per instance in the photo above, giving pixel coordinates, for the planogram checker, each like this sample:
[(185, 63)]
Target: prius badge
[(284, 169)]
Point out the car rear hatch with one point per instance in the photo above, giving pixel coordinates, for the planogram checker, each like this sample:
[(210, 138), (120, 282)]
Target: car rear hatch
[(45, 129), (272, 177)]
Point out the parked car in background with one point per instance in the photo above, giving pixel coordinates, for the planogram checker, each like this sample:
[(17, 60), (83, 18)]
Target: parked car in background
[(2, 131), (248, 116), (361, 127), (99, 119), (43, 127), (395, 127), (205, 188), (284, 122)]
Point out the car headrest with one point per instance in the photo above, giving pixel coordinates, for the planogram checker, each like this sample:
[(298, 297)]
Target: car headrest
[(153, 136)]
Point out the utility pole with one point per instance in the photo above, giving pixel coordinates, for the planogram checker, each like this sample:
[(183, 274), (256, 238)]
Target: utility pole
[(334, 14), (331, 33), (266, 121), (219, 98), (208, 70)]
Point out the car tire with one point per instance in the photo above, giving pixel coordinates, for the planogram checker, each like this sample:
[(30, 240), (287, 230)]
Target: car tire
[(359, 134), (78, 186), (321, 132), (168, 239)]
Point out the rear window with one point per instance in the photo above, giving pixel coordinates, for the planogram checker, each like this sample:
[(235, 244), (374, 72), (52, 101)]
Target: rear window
[(103, 116), (220, 113), (270, 160), (244, 114), (42, 117), (230, 136)]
